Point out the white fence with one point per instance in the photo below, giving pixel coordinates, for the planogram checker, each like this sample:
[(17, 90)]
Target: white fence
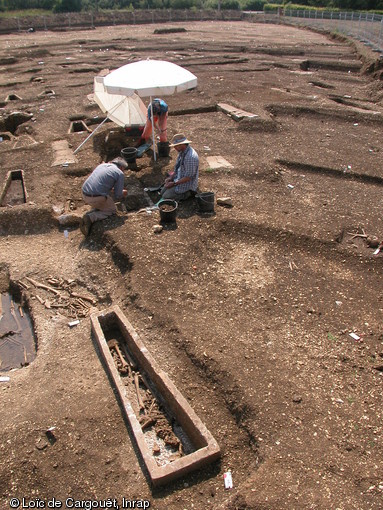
[(366, 27)]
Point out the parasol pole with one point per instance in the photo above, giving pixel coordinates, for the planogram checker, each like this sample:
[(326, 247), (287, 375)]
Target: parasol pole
[(98, 127), (151, 111)]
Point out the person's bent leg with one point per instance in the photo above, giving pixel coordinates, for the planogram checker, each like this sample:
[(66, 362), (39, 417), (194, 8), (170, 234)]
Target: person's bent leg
[(162, 125), (171, 194), (103, 207), (147, 132)]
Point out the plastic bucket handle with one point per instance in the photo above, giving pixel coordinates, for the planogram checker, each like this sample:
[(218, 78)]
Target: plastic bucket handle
[(206, 197)]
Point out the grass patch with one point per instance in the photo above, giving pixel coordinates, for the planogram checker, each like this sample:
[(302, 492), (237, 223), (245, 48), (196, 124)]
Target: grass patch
[(26, 13)]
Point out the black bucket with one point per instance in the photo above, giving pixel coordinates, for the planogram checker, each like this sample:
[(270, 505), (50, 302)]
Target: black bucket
[(129, 154), (205, 201), (168, 210), (163, 149)]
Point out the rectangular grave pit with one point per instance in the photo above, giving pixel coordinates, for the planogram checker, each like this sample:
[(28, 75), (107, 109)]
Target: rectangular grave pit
[(14, 192), (205, 448)]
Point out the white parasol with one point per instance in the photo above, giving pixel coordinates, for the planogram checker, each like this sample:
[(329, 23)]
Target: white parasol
[(148, 78), (145, 78), (123, 110)]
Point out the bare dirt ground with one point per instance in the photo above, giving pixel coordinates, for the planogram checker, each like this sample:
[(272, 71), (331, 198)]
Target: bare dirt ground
[(249, 310)]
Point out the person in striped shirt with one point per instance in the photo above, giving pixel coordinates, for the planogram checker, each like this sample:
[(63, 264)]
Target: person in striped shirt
[(183, 182)]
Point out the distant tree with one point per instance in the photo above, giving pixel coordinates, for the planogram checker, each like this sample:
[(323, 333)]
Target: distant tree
[(181, 4), (356, 5), (225, 4), (67, 6), (47, 5), (252, 5), (159, 4)]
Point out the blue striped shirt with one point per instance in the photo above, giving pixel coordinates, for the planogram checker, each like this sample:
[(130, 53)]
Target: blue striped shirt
[(187, 165)]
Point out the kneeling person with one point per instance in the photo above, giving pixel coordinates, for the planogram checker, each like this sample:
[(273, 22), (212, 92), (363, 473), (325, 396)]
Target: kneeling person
[(183, 183), (96, 192)]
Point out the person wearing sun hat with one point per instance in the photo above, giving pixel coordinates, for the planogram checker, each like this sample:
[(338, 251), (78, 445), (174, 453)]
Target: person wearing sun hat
[(183, 182)]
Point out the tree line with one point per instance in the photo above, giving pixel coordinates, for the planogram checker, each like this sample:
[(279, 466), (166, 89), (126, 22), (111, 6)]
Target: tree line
[(248, 5)]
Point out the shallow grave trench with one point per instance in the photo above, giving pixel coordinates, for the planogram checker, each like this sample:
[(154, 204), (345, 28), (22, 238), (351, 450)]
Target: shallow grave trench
[(18, 341), (18, 337), (14, 191), (159, 427), (161, 434), (164, 425)]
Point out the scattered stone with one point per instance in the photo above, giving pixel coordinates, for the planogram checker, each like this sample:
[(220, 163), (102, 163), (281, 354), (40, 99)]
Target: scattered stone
[(68, 220), (372, 241), (156, 450), (216, 162), (297, 399), (225, 202), (41, 444), (157, 229)]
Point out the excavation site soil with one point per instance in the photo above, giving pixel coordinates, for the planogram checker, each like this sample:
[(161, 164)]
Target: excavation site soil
[(265, 313)]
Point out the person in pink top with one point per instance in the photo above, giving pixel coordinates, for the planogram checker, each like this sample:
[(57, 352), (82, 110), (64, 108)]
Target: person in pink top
[(160, 121)]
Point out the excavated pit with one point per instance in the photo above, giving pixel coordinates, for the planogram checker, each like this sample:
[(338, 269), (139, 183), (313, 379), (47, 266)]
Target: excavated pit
[(108, 144), (345, 174), (14, 192), (18, 343), (171, 438), (13, 97), (5, 137), (78, 126)]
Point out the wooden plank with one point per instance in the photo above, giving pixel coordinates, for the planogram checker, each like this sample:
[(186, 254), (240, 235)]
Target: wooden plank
[(236, 113)]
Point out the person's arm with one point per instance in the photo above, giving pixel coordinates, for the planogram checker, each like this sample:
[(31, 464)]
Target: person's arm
[(170, 182), (182, 180), (119, 186)]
